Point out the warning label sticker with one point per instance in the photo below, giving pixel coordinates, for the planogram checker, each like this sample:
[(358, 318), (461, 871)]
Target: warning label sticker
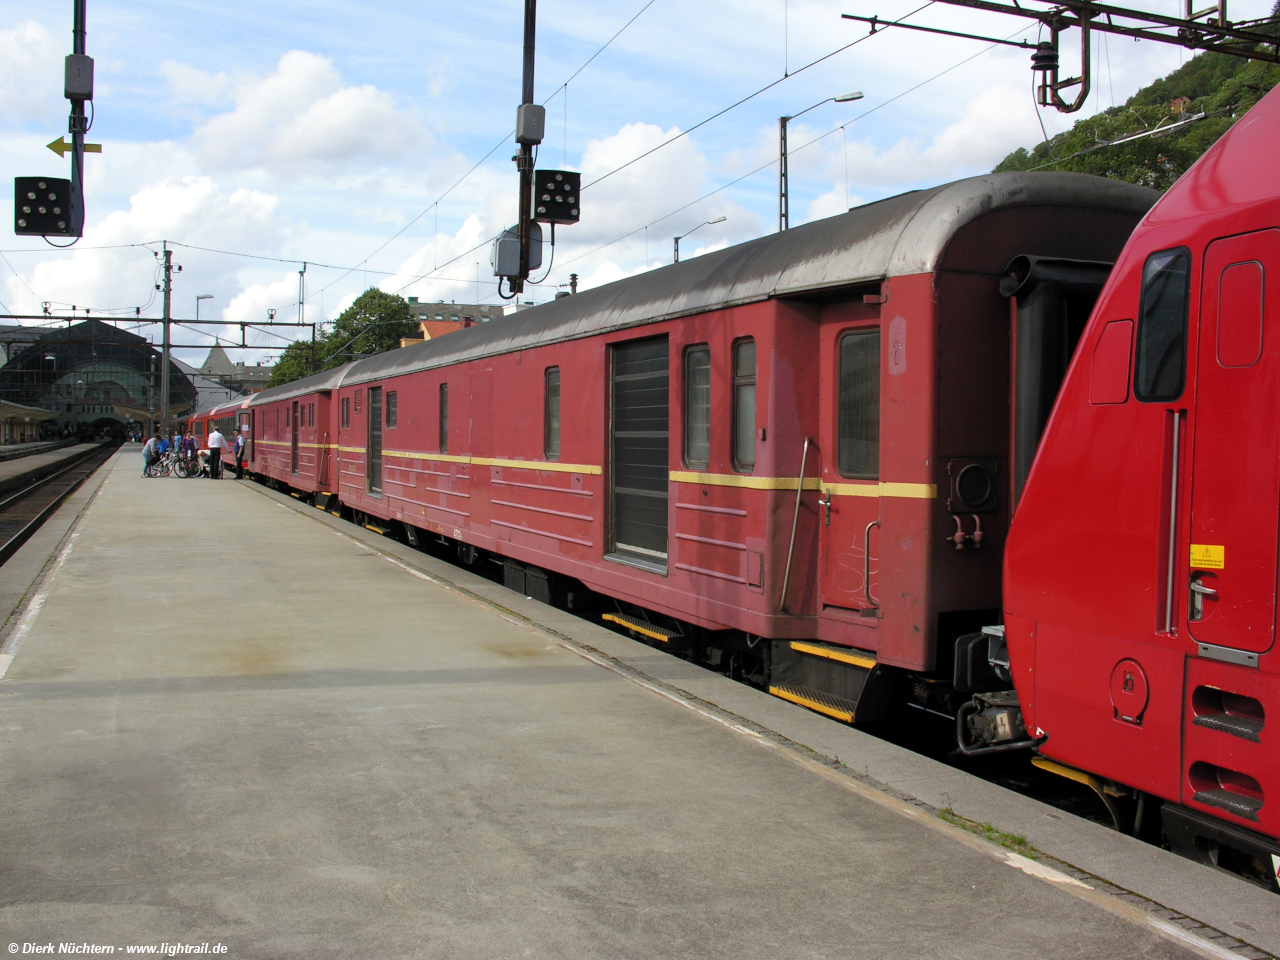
[(1208, 556)]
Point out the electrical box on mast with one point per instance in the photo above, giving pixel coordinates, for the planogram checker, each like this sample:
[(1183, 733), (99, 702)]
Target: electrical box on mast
[(555, 196), (505, 254)]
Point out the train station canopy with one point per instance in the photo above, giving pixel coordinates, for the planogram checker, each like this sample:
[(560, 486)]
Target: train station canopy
[(91, 370)]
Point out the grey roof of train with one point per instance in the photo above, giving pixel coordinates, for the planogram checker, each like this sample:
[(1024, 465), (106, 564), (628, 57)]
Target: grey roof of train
[(901, 235)]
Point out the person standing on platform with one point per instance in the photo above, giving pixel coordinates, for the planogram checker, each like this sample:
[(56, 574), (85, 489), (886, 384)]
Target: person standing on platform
[(188, 449), (217, 443), (150, 453), (240, 453)]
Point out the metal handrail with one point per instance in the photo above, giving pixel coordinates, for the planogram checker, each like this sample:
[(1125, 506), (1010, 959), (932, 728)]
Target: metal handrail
[(795, 519), (866, 563)]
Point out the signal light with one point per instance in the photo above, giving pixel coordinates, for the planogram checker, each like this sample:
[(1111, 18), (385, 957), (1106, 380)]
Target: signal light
[(41, 207), (555, 196)]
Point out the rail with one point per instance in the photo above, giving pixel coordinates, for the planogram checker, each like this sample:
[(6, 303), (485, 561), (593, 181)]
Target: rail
[(33, 523)]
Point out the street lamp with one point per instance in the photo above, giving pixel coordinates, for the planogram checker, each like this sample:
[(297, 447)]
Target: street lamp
[(784, 197), (199, 297), (676, 240)]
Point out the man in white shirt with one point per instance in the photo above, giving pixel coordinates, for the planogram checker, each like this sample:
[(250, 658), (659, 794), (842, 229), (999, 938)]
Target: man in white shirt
[(217, 443)]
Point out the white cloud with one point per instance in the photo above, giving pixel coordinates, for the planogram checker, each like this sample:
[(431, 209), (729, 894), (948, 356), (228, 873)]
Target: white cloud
[(252, 303), (301, 119), (646, 189), (188, 85), (827, 204), (457, 280), (105, 272), (30, 70)]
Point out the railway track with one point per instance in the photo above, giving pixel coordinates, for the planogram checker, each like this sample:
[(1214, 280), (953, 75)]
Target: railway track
[(23, 513)]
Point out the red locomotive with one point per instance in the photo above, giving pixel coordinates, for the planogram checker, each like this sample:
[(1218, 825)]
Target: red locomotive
[(797, 459), (1141, 570)]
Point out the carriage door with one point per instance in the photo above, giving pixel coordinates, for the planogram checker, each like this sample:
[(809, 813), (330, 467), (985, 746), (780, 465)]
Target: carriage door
[(850, 504), (293, 438), (1235, 483), (373, 461), (639, 471)]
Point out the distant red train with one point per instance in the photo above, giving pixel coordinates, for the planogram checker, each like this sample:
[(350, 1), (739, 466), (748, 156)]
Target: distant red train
[(797, 460), (229, 418)]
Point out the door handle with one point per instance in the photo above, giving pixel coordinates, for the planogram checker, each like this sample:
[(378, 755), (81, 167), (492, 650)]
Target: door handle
[(826, 508), (1198, 591)]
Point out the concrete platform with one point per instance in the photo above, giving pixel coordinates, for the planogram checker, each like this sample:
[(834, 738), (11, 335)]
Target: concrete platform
[(231, 719), (16, 473), (14, 451)]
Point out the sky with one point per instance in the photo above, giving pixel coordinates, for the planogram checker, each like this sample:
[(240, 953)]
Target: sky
[(373, 141)]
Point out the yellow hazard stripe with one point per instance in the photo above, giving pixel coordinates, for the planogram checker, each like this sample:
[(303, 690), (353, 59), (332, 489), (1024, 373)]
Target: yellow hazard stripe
[(883, 488), (551, 465), (638, 629), (742, 480), (1062, 770), (812, 704), (851, 658)]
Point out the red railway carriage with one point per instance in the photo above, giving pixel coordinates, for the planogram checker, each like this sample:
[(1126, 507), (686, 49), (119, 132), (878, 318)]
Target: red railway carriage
[(229, 418), (293, 436), (800, 439), (1141, 571)]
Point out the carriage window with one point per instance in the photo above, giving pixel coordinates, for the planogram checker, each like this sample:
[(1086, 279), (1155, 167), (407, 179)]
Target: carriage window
[(444, 418), (200, 429), (1160, 371), (551, 415), (858, 405), (391, 409), (311, 414), (697, 406), (744, 405), (359, 398), (345, 420)]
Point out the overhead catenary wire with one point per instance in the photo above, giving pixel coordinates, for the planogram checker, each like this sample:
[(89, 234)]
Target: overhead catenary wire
[(747, 98), (1156, 131), (766, 166), (719, 113), (436, 203)]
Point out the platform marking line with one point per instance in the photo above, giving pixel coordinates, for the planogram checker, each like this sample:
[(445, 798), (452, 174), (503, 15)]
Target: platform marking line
[(1039, 871), (23, 627)]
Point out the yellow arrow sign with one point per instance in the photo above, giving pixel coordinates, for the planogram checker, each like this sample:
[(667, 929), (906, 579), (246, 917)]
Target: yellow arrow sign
[(61, 147)]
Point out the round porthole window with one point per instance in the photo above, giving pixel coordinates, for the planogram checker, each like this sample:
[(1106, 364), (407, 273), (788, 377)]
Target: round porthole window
[(974, 486)]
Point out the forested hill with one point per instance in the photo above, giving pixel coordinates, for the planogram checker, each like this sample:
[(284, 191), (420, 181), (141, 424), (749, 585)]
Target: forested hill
[(1219, 86)]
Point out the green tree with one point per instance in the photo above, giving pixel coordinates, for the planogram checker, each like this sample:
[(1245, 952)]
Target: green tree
[(374, 323), (294, 363), (1220, 86)]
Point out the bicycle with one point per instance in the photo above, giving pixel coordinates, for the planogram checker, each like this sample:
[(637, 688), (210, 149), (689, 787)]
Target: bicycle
[(161, 466), (171, 465)]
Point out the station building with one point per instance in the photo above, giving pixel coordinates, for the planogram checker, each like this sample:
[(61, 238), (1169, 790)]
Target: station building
[(85, 380)]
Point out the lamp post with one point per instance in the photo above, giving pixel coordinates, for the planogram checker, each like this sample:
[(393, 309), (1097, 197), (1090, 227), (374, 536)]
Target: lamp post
[(676, 240), (199, 297), (784, 195)]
